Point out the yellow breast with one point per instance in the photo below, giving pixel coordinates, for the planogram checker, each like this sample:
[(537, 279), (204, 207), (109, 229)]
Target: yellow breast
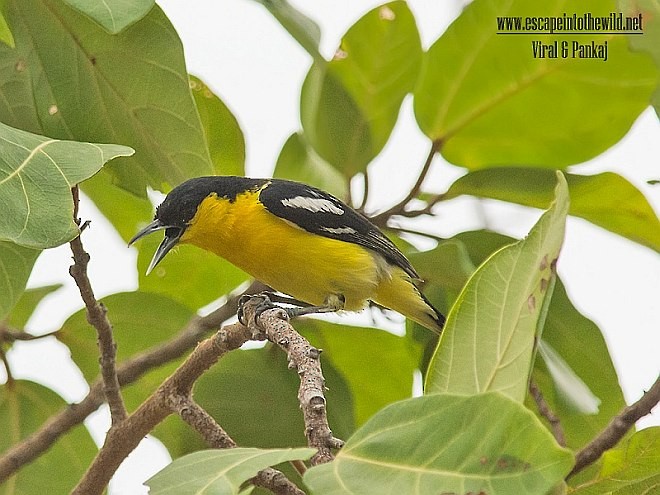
[(287, 258)]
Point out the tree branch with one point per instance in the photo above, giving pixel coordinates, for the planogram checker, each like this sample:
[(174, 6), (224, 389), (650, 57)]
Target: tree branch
[(399, 208), (274, 324), (128, 372), (98, 318), (616, 429), (122, 440), (547, 413)]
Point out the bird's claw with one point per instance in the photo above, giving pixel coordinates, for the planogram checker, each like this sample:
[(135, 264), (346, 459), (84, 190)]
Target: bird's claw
[(264, 304)]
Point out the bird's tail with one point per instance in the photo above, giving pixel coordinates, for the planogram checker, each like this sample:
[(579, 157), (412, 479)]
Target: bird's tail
[(401, 295)]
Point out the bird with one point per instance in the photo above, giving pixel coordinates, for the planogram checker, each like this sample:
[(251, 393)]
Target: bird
[(297, 239)]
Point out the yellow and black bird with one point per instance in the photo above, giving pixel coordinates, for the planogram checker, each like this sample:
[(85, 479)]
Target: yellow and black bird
[(297, 239)]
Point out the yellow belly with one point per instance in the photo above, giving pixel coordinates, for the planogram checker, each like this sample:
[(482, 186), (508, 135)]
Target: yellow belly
[(305, 266)]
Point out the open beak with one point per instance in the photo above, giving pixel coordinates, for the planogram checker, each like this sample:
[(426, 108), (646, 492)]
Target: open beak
[(172, 235)]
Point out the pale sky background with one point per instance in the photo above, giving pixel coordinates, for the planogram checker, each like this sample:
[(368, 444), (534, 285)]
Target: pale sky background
[(241, 52)]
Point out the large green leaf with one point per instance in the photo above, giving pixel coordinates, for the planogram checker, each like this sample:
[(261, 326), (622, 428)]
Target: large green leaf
[(24, 407), (631, 469), (303, 29), (113, 15), (491, 103), (488, 341), (223, 134), (392, 361), (446, 444), (218, 472), (139, 321), (257, 384), (28, 302), (36, 177), (298, 161), (349, 106), (607, 200), (67, 78), (188, 274), (16, 264), (578, 341)]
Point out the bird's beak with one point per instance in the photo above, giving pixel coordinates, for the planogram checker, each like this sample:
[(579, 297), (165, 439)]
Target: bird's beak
[(172, 235)]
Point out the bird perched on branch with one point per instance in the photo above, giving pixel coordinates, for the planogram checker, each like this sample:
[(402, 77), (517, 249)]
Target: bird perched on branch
[(297, 239)]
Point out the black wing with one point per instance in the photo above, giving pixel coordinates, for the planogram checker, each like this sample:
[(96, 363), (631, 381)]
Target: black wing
[(322, 214)]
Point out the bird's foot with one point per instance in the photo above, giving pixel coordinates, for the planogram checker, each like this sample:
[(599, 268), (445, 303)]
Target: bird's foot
[(264, 304)]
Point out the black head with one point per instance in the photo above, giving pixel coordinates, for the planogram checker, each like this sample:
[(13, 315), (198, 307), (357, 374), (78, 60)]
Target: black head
[(179, 207)]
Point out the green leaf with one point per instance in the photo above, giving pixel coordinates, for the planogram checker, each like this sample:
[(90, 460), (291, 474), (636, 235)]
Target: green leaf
[(5, 33), (491, 103), (582, 347), (27, 303), (223, 134), (333, 124), (349, 106), (631, 469), (392, 362), (607, 200), (257, 384), (36, 177), (16, 264), (303, 29), (218, 472), (446, 444), (488, 341), (113, 15), (299, 162), (189, 275), (650, 40), (131, 88), (140, 321), (448, 265), (24, 407)]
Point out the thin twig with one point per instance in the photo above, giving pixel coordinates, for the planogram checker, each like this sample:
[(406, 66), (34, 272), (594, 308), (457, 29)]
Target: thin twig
[(9, 335), (547, 413), (216, 437), (98, 318), (128, 372), (399, 208), (305, 359), (617, 428), (404, 230)]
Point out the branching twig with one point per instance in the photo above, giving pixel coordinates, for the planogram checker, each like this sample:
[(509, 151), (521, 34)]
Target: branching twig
[(617, 428), (128, 372), (399, 208), (122, 440), (305, 359), (9, 335), (547, 413), (97, 317), (216, 437)]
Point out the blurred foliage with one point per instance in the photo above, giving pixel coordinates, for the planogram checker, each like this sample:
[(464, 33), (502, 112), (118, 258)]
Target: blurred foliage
[(486, 105)]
